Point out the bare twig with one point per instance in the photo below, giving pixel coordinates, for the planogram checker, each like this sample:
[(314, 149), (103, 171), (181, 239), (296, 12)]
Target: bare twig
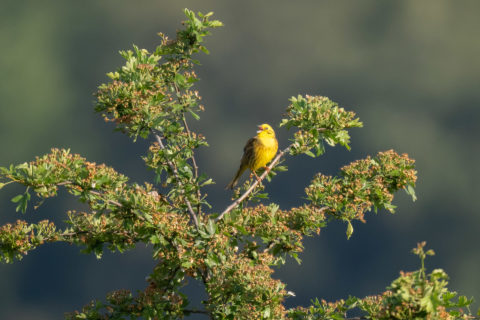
[(252, 187), (64, 183), (175, 172)]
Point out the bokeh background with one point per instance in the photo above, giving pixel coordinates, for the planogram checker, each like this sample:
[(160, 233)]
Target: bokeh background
[(410, 69)]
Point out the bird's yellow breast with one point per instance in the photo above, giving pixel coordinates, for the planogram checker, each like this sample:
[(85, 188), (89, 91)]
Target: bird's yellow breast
[(265, 149)]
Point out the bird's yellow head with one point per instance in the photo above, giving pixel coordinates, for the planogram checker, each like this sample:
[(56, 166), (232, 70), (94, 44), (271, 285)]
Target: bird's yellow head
[(265, 130)]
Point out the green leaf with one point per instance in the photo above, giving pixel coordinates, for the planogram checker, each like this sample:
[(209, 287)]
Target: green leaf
[(154, 239), (349, 230), (211, 227), (216, 23), (180, 79), (262, 195), (17, 198), (266, 313), (309, 153), (207, 182), (427, 302), (204, 50), (22, 200), (411, 191), (196, 116)]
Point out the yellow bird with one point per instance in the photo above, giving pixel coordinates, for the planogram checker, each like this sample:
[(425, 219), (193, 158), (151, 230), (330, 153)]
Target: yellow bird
[(258, 151)]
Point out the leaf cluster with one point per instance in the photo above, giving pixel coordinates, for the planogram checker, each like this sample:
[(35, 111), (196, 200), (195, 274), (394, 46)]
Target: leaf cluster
[(413, 295), (319, 120), (152, 91), (363, 185)]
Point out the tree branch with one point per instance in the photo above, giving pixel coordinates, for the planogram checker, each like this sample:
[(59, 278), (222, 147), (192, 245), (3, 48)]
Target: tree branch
[(194, 162), (73, 234), (196, 311), (252, 187), (195, 167), (175, 172), (66, 183), (114, 202)]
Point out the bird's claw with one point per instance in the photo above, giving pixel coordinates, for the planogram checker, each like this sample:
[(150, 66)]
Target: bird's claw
[(258, 179)]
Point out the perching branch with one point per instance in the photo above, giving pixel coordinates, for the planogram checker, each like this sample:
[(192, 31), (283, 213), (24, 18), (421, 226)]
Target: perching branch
[(175, 172), (252, 187)]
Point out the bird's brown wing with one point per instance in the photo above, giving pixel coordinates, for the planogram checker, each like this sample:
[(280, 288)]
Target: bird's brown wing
[(248, 153), (246, 162)]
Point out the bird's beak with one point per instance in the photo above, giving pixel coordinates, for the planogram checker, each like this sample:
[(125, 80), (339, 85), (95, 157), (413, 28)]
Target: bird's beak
[(260, 129)]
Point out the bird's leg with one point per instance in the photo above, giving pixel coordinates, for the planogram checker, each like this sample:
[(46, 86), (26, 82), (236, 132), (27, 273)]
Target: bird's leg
[(258, 179), (267, 169)]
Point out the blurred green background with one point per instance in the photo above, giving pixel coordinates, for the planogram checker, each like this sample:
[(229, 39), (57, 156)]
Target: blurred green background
[(410, 69)]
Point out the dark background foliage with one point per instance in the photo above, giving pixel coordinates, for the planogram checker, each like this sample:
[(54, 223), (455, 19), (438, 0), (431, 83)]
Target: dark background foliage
[(409, 69)]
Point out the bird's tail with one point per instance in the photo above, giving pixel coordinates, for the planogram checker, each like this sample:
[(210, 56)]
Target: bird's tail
[(235, 179)]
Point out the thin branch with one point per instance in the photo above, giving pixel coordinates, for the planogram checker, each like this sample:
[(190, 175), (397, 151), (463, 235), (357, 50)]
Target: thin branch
[(205, 277), (114, 202), (253, 186), (194, 162), (196, 311), (11, 181), (65, 235), (66, 183), (177, 90), (195, 167), (71, 234), (175, 172)]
